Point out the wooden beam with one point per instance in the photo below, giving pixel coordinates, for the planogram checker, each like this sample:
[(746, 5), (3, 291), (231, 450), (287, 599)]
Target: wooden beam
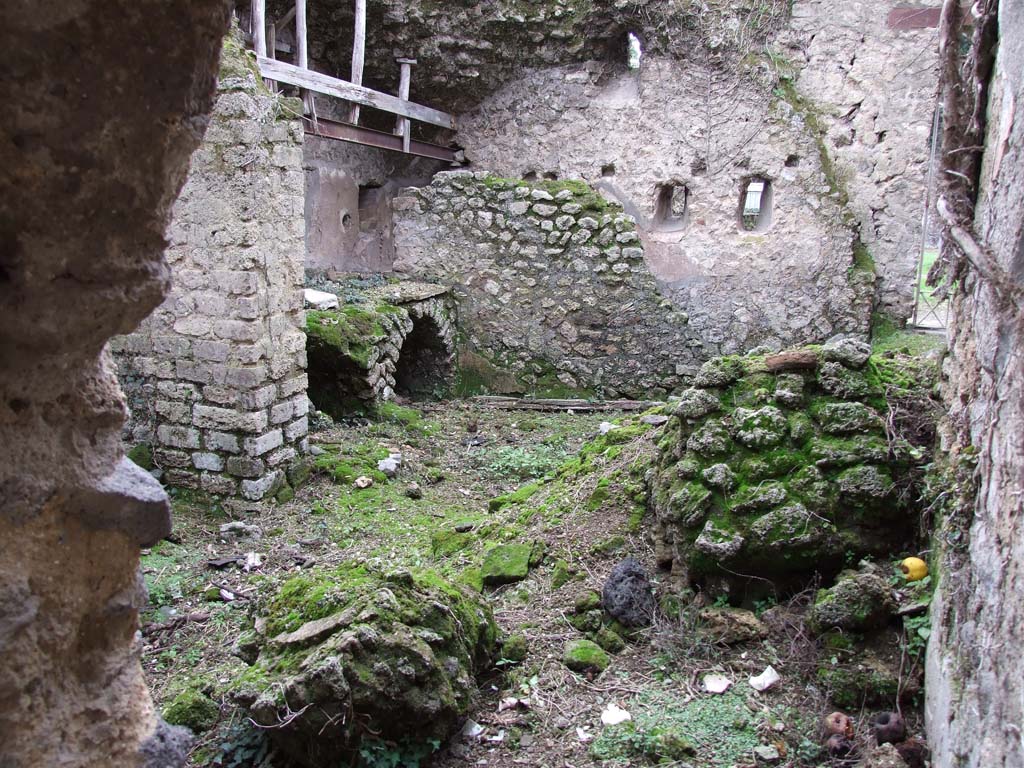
[(403, 127), (357, 134), (259, 27), (358, 52), (285, 20), (331, 86)]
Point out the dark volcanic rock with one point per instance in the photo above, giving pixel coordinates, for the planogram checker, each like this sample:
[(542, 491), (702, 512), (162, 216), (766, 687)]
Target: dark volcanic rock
[(627, 594)]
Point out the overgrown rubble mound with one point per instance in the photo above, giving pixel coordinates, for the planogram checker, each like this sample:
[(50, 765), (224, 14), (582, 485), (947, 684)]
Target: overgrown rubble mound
[(773, 468), (351, 659)]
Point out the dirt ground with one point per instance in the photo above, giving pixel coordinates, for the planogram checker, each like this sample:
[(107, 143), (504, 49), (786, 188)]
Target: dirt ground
[(533, 713)]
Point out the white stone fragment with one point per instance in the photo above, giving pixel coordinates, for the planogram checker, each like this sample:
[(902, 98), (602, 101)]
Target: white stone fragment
[(319, 299)]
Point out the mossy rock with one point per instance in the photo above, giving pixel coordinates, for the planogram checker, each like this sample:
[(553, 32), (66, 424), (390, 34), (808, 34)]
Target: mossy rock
[(609, 640), (506, 563), (561, 575), (515, 648), (449, 542), (585, 656), (193, 710), (860, 600), (354, 651)]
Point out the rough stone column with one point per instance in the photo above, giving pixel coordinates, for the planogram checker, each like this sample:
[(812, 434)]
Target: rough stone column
[(975, 689), (216, 375), (107, 101)]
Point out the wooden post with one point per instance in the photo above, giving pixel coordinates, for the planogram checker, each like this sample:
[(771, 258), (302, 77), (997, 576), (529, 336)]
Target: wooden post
[(403, 127), (259, 27), (358, 52), (272, 50), (302, 51)]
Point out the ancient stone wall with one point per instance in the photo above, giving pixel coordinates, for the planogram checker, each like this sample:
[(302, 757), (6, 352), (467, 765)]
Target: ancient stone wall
[(867, 72), (639, 138), (95, 147), (215, 374), (550, 282), (975, 691)]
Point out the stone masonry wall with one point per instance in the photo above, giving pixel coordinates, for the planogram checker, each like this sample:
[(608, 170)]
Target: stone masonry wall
[(550, 282), (634, 133), (215, 376)]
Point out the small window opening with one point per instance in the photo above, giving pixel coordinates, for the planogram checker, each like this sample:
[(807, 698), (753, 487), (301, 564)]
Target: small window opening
[(608, 170), (551, 176), (634, 51), (530, 176), (755, 210), (792, 161), (346, 219), (672, 207)]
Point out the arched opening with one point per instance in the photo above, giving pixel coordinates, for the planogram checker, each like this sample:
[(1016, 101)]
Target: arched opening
[(671, 207), (424, 367), (755, 207)]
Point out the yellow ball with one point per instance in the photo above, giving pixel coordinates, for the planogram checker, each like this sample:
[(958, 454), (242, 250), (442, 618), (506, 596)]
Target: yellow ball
[(914, 568)]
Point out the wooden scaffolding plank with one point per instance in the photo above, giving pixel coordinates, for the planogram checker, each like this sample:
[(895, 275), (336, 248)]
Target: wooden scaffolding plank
[(330, 86), (358, 53)]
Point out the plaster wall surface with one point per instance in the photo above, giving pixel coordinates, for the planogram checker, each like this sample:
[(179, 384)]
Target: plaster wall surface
[(84, 202), (349, 188), (872, 81), (216, 374)]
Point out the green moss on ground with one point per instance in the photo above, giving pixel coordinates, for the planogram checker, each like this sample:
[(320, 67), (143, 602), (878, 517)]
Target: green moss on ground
[(716, 730)]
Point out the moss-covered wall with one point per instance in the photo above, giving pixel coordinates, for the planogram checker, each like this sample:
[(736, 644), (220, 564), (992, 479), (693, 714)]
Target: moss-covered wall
[(774, 469)]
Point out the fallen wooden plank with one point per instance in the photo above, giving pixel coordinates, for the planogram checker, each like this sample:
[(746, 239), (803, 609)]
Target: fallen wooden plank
[(552, 404), (331, 86)]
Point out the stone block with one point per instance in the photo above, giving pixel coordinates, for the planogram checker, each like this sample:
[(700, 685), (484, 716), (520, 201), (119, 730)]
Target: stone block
[(201, 373), (222, 441), (174, 411), (214, 351), (257, 446), (300, 405), (297, 429), (221, 395), (211, 417), (281, 456), (246, 377), (210, 461), (238, 330), (244, 466), (281, 412), (173, 390), (218, 484), (260, 398), (178, 437), (181, 478), (254, 490), (166, 458)]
